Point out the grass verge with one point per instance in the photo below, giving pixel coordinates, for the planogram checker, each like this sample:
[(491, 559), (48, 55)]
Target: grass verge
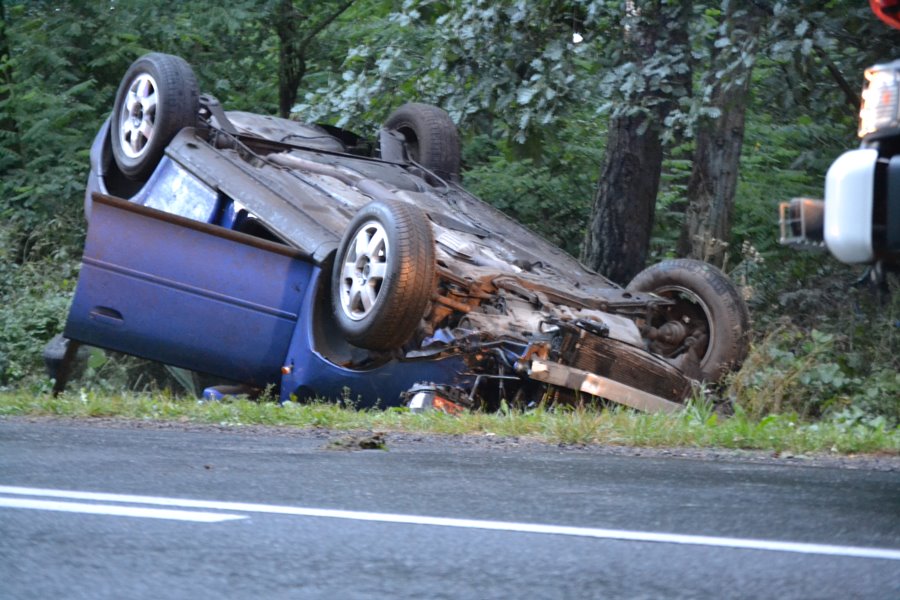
[(697, 426)]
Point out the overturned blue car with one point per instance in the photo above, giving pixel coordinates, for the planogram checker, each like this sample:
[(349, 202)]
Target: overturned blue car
[(307, 259)]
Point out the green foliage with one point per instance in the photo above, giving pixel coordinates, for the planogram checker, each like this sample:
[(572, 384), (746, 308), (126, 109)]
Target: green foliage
[(34, 300), (670, 204), (512, 64), (532, 195), (809, 42), (553, 196), (791, 371), (852, 367)]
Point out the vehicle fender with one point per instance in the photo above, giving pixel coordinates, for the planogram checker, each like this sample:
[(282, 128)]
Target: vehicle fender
[(100, 157), (313, 368)]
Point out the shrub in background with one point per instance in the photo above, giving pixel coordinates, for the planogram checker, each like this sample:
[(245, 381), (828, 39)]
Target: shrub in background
[(839, 361)]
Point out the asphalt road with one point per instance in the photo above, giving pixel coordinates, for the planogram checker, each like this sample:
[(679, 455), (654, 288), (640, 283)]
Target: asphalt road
[(223, 514)]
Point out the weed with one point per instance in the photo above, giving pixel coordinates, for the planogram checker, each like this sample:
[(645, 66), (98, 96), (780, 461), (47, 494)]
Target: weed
[(847, 363)]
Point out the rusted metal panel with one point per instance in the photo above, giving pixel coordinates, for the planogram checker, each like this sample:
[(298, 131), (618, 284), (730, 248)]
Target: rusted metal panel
[(602, 387)]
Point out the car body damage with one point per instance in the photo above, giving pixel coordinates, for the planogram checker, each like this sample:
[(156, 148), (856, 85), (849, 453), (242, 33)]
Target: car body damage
[(273, 253)]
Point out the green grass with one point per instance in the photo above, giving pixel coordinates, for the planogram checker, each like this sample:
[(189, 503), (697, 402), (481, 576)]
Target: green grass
[(697, 426)]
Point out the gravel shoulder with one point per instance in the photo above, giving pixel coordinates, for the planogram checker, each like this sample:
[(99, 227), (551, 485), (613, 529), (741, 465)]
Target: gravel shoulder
[(340, 440)]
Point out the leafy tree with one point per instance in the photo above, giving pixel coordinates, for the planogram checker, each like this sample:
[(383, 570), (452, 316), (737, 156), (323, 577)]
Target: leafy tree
[(509, 68), (297, 27), (810, 46)]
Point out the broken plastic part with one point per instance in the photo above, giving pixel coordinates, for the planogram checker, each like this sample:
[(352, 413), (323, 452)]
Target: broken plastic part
[(428, 400)]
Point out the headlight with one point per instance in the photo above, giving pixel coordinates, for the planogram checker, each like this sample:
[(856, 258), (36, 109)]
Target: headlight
[(880, 111)]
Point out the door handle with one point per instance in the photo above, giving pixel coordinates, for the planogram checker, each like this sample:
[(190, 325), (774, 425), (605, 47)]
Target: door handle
[(107, 316)]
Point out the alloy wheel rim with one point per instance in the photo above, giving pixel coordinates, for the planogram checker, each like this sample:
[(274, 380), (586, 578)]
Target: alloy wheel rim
[(364, 268), (138, 117)]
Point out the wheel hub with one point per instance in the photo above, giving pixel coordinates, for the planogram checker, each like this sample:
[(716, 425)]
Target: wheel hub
[(364, 268), (688, 323), (138, 116), (672, 333)]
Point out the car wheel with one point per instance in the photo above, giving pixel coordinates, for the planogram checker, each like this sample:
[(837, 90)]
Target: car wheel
[(431, 137), (157, 98), (383, 276), (709, 319)]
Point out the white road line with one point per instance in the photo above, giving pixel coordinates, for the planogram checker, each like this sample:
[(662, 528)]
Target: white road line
[(591, 532), (118, 511)]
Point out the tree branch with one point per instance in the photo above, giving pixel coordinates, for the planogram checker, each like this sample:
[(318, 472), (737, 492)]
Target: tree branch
[(850, 94), (317, 29)]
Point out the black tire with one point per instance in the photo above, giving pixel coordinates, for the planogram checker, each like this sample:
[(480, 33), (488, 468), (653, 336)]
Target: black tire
[(431, 137), (709, 313), (383, 275), (157, 98)]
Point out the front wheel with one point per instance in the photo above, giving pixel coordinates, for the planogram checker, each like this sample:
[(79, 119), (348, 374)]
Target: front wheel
[(384, 275), (706, 330)]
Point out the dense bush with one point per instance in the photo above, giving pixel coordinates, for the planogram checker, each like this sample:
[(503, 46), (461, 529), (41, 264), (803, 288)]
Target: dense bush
[(34, 301), (552, 193), (812, 374)]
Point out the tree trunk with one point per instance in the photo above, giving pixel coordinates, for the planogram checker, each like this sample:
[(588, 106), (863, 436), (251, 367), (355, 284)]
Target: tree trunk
[(717, 153), (618, 237), (294, 40), (622, 217), (291, 64), (713, 181)]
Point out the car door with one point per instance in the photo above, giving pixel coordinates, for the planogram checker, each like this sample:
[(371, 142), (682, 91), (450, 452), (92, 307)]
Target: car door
[(186, 293)]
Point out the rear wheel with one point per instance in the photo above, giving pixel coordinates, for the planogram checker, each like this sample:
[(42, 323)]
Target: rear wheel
[(383, 276), (706, 330), (430, 135), (157, 98)]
